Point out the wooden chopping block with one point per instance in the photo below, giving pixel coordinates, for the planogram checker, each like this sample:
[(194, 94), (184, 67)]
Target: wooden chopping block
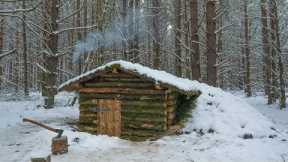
[(59, 145)]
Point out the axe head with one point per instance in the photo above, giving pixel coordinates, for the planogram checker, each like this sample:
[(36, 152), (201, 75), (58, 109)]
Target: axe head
[(60, 132)]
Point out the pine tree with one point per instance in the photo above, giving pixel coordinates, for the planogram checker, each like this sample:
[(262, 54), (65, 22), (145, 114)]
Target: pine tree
[(195, 52), (276, 50), (178, 35), (124, 28), (156, 4), (51, 13), (1, 47), (247, 81), (25, 57), (266, 51), (211, 43)]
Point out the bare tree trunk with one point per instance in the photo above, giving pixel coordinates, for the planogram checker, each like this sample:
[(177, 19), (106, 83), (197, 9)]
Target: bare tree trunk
[(220, 43), (1, 34), (156, 33), (124, 29), (79, 36), (186, 29), (100, 22), (277, 49), (51, 45), (274, 50), (137, 27), (266, 50), (148, 20), (211, 43), (195, 52), (25, 59), (85, 65), (131, 29), (1, 75), (16, 61), (85, 17), (242, 42), (178, 35), (247, 82), (282, 100), (1, 47)]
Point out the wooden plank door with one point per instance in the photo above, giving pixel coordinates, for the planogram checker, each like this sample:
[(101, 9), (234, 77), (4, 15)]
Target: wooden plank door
[(109, 117)]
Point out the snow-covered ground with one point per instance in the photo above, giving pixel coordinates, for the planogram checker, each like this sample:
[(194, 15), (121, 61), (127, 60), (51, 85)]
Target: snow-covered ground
[(215, 133), (273, 112)]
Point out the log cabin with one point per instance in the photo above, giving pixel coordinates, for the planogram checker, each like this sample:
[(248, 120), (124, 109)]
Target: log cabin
[(130, 101)]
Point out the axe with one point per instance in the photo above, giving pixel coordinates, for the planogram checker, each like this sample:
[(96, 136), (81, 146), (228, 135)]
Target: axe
[(58, 131)]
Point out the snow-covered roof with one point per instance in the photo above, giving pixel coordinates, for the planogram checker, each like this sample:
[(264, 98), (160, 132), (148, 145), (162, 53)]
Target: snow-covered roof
[(158, 76)]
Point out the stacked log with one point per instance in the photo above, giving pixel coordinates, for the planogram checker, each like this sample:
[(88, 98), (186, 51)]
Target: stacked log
[(171, 108)]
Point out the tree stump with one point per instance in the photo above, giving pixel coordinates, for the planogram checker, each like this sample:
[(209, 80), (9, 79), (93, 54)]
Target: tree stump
[(41, 159), (59, 145)]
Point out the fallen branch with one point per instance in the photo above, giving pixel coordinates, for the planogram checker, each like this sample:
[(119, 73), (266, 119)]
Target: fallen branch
[(42, 68), (7, 53), (76, 28)]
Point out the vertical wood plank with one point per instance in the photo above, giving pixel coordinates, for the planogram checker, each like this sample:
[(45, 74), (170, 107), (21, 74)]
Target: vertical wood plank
[(109, 118)]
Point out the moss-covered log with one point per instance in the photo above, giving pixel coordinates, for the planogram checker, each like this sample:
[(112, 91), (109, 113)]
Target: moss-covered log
[(139, 135), (121, 79), (144, 119), (88, 121), (116, 75), (144, 126), (171, 116), (122, 91), (171, 109), (143, 110), (119, 85), (143, 104), (88, 114), (87, 128), (143, 113), (127, 104), (128, 97)]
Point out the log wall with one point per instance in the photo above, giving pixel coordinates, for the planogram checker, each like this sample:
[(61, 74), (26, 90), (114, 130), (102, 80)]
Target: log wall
[(146, 110)]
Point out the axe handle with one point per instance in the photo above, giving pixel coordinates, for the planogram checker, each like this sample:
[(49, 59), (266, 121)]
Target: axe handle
[(40, 124)]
